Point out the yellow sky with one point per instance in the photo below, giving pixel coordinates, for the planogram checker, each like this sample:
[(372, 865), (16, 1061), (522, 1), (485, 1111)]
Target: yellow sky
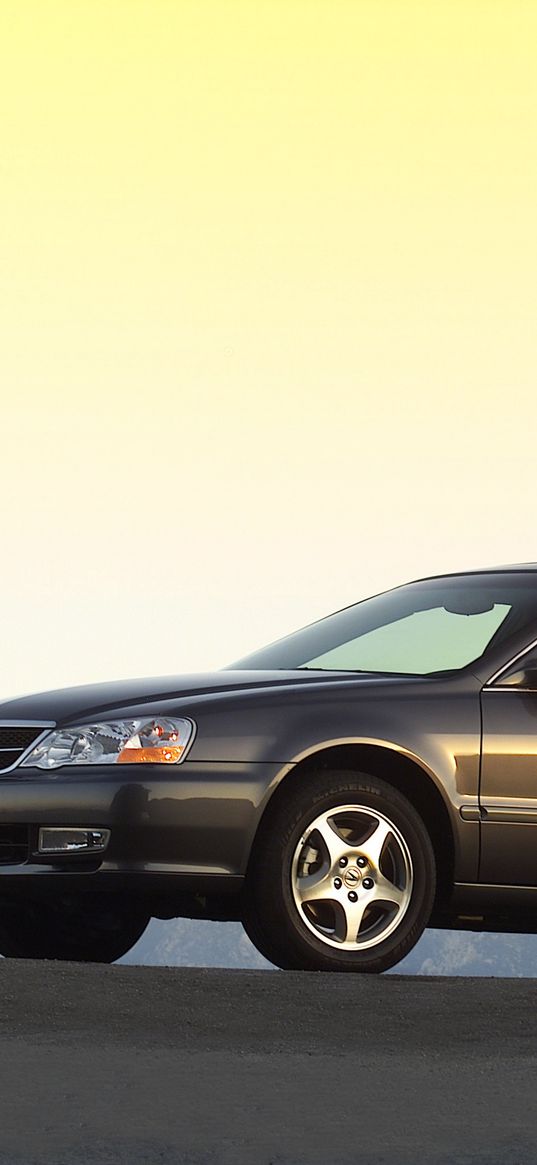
[(268, 287)]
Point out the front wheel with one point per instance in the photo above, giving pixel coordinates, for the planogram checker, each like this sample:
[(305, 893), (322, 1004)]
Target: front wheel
[(87, 928), (342, 876)]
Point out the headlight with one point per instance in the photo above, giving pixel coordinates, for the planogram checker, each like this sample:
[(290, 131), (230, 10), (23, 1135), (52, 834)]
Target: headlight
[(116, 742)]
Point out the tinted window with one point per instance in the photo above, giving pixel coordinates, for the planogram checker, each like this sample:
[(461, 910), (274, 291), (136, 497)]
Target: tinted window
[(434, 640), (432, 626)]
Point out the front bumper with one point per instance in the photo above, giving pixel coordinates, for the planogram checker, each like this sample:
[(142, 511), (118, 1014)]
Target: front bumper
[(184, 828)]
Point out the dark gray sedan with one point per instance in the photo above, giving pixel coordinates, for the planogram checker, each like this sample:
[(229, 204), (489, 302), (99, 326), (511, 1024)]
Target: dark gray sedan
[(338, 791)]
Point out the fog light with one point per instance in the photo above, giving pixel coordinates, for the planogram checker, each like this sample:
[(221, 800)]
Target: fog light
[(62, 840)]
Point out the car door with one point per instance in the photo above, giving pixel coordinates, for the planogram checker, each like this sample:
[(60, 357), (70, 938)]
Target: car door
[(508, 787)]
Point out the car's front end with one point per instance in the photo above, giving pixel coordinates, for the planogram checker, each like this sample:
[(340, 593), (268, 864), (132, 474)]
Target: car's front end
[(263, 791)]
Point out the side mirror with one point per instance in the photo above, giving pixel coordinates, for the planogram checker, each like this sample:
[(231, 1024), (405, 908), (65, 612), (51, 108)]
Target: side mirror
[(525, 679)]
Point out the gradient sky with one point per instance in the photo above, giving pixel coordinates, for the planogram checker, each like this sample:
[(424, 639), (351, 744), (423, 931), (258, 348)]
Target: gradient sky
[(268, 291)]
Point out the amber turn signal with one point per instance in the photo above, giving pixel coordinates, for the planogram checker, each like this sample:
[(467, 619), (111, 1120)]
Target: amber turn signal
[(165, 755)]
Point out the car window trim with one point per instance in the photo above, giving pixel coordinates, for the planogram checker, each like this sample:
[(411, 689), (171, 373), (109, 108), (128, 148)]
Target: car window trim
[(491, 684)]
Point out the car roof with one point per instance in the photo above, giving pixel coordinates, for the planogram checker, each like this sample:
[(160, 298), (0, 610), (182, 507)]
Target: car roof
[(520, 568)]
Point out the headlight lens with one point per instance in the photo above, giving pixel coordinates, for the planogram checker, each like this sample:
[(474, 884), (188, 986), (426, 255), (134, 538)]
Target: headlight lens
[(158, 740)]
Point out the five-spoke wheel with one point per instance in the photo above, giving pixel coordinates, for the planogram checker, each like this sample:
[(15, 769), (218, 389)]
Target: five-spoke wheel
[(342, 875), (352, 877)]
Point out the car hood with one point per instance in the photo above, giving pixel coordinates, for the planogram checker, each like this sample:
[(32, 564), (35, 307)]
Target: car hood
[(126, 696)]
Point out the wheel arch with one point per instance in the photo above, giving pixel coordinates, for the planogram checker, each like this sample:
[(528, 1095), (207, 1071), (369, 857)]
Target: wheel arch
[(396, 768)]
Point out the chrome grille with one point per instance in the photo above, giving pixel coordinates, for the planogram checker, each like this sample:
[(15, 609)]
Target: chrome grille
[(14, 740), (14, 736)]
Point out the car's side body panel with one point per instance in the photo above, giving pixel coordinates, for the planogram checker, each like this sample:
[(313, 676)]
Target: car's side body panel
[(509, 787), (435, 725)]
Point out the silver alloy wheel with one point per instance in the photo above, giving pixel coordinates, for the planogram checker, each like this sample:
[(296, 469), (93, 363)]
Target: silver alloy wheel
[(352, 877)]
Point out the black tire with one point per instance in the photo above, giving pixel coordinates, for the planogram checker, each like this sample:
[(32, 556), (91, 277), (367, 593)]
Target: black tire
[(271, 915), (87, 928)]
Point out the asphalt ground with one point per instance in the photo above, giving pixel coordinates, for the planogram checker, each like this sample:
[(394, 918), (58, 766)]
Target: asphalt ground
[(127, 1065)]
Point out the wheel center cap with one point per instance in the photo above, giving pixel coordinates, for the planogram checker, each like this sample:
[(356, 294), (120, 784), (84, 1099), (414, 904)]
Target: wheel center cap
[(352, 877)]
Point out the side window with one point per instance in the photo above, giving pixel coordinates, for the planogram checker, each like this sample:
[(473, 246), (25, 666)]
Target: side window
[(522, 674)]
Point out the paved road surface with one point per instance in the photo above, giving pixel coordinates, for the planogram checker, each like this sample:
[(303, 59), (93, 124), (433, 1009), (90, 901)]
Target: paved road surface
[(130, 1065)]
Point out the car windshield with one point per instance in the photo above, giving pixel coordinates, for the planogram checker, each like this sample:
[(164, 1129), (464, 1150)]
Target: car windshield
[(435, 626)]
